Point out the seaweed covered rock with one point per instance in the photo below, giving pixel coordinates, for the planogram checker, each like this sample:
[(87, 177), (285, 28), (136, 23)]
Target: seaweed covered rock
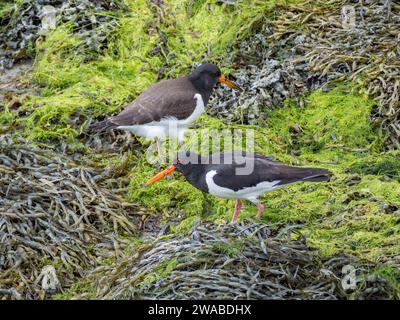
[(55, 217), (308, 45), (268, 75), (233, 261), (22, 23)]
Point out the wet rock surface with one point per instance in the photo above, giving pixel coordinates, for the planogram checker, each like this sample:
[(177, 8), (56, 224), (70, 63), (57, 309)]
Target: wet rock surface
[(9, 83)]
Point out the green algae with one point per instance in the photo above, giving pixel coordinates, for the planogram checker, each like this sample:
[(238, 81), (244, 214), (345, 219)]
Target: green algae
[(84, 288), (6, 7), (387, 164), (162, 271), (166, 196), (6, 116), (165, 268), (392, 276), (231, 249), (338, 119)]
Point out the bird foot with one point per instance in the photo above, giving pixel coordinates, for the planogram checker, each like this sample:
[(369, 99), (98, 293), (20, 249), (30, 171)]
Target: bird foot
[(235, 215), (260, 208)]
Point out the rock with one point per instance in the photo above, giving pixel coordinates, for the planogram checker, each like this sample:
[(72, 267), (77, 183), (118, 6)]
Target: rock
[(388, 208), (48, 16)]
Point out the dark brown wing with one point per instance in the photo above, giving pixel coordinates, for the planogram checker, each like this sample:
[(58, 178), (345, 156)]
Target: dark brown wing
[(228, 156), (168, 98), (265, 170)]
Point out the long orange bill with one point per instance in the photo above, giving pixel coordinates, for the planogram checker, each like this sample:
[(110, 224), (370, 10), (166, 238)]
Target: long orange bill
[(224, 80), (162, 174)]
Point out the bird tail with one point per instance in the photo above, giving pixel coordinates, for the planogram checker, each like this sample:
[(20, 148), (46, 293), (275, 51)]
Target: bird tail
[(316, 175), (103, 125)]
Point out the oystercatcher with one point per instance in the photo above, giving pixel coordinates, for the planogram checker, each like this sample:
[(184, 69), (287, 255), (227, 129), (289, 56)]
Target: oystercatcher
[(168, 107), (224, 175)]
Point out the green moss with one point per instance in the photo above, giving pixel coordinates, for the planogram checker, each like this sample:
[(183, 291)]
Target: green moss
[(334, 120), (6, 7), (84, 288), (387, 164), (392, 276), (232, 248)]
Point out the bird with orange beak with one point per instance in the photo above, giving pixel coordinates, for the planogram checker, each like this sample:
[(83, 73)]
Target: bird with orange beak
[(168, 107), (222, 175)]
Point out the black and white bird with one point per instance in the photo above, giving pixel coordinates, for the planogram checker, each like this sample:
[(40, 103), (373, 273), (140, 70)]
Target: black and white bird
[(224, 175), (168, 107)]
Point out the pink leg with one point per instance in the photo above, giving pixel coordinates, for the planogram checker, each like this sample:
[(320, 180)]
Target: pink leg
[(238, 206), (260, 208)]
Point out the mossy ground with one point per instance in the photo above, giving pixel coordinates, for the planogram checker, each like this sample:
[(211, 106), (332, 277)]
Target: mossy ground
[(5, 8), (356, 215)]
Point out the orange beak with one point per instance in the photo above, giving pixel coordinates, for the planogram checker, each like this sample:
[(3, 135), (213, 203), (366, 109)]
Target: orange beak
[(162, 174), (231, 84)]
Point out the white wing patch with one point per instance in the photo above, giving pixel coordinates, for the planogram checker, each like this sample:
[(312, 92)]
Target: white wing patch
[(250, 193), (196, 113)]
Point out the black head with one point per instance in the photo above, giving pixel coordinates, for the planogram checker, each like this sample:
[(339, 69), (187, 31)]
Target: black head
[(208, 68), (205, 77), (189, 164), (187, 161), (192, 166)]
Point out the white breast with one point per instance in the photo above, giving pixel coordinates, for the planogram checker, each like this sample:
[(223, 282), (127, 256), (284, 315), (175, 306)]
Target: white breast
[(250, 193), (168, 126)]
